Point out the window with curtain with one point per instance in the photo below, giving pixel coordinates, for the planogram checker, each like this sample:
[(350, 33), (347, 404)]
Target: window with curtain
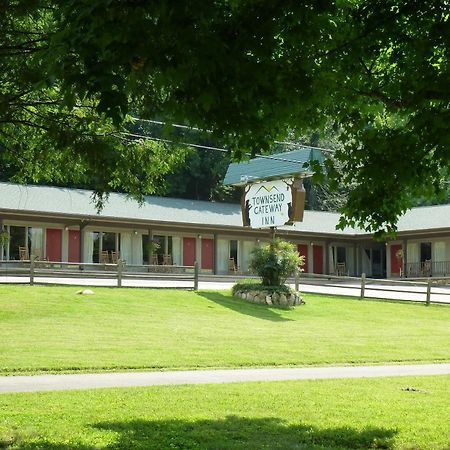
[(439, 251), (125, 247), (36, 242), (412, 253), (136, 249), (176, 249)]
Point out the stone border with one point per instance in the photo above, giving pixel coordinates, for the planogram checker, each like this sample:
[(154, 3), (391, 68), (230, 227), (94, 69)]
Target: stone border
[(271, 298)]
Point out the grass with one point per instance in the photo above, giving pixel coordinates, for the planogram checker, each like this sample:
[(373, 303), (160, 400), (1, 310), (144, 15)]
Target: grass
[(388, 413), (50, 329)]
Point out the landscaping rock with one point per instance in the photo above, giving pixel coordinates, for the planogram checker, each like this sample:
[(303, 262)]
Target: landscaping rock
[(270, 298), (85, 292)]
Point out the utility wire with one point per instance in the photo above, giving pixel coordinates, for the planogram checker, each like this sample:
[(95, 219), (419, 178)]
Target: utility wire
[(151, 138), (186, 127), (206, 147)]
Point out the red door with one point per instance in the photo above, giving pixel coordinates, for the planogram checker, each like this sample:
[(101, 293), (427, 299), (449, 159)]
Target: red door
[(318, 259), (74, 246), (303, 251), (53, 246), (188, 251), (207, 254), (396, 263)]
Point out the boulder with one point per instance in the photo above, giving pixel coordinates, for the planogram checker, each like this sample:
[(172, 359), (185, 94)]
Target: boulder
[(85, 292)]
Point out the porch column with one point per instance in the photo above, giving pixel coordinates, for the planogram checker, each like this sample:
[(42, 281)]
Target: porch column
[(1, 246), (215, 256), (65, 244), (310, 255), (149, 247), (83, 225), (327, 257), (388, 260), (405, 257), (198, 250)]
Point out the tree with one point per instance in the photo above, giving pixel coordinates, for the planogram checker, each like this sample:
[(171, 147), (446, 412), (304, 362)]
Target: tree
[(392, 101), (46, 136), (245, 71)]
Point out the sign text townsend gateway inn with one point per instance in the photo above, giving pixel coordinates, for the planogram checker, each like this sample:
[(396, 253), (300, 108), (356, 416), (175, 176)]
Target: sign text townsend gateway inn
[(280, 201), (268, 204)]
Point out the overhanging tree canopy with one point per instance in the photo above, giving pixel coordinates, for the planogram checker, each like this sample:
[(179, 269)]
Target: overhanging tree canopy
[(247, 72)]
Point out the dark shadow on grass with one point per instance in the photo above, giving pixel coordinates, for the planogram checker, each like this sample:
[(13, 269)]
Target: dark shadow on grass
[(243, 307), (231, 433)]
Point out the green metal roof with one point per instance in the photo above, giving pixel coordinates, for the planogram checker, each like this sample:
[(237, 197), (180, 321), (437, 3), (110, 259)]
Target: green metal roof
[(280, 165)]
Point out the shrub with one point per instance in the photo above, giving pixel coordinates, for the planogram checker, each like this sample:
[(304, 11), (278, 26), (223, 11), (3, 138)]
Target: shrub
[(275, 261), (246, 287)]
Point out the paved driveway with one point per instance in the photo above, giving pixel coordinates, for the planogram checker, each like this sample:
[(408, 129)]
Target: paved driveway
[(109, 380)]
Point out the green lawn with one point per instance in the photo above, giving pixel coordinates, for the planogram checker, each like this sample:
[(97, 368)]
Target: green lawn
[(52, 329), (388, 413)]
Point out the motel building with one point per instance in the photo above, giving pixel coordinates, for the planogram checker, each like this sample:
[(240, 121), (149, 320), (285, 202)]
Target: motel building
[(62, 225)]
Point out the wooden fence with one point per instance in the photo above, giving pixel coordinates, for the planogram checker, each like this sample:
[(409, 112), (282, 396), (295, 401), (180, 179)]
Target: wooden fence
[(119, 272), (422, 288)]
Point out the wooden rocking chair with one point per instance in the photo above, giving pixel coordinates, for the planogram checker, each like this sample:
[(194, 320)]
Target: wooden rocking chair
[(341, 270), (104, 257), (232, 266), (115, 256), (24, 254), (167, 260)]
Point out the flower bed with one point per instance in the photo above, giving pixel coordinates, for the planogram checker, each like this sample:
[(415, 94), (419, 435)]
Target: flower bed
[(280, 296)]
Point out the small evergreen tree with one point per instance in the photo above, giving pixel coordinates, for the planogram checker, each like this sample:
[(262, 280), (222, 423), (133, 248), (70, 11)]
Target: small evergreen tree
[(275, 262)]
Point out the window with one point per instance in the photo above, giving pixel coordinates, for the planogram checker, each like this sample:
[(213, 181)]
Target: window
[(340, 255), (160, 251), (96, 246), (36, 242), (234, 251), (17, 239), (425, 251), (109, 242), (145, 251), (165, 247)]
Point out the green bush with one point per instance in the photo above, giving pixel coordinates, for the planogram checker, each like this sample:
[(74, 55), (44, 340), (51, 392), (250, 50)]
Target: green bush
[(246, 287), (275, 261)]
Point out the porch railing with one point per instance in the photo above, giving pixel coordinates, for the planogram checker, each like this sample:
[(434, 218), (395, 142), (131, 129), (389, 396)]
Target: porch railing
[(427, 269)]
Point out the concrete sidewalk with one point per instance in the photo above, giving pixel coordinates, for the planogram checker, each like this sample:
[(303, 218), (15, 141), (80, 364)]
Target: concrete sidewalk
[(132, 379), (350, 287)]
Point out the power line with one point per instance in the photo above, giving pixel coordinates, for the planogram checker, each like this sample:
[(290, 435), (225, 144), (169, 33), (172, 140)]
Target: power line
[(151, 138), (186, 127), (206, 147)]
